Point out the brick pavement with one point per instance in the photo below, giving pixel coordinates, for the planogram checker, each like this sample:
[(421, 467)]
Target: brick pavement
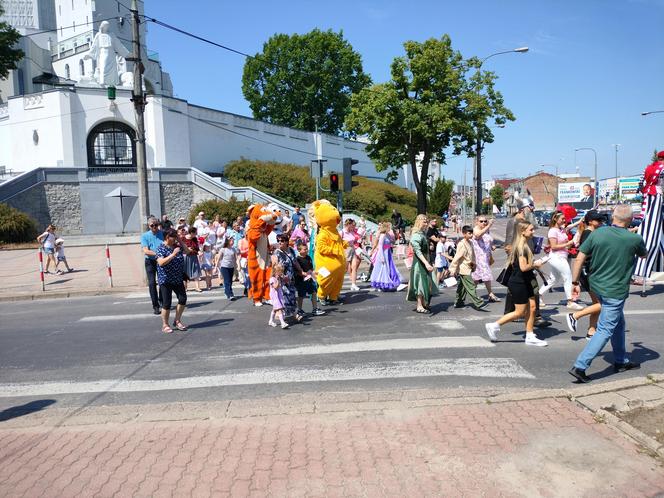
[(543, 447)]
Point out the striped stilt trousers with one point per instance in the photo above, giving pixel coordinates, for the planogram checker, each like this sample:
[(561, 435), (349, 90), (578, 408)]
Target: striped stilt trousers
[(652, 231)]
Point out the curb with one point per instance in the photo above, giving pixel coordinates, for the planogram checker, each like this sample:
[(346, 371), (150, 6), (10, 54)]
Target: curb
[(347, 403), (72, 293), (643, 439)]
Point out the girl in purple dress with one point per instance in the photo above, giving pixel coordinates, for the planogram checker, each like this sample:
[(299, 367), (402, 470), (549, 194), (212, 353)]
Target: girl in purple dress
[(385, 276), (277, 296), (483, 246)]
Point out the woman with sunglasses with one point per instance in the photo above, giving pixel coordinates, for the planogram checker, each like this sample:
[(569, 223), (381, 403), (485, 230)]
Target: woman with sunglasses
[(483, 247), (559, 244), (170, 271)]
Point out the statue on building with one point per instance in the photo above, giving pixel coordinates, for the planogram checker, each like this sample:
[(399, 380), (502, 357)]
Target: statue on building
[(105, 51)]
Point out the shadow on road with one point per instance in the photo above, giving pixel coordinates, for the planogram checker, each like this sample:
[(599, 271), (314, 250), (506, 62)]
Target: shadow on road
[(209, 323), (26, 409)]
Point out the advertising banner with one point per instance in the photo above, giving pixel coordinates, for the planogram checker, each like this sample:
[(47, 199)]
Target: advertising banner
[(629, 188), (572, 193)]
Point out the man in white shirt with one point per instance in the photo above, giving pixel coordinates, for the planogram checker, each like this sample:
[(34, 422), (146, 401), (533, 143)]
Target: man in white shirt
[(200, 224)]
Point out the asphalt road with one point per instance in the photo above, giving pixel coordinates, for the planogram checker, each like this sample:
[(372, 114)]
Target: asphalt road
[(109, 350)]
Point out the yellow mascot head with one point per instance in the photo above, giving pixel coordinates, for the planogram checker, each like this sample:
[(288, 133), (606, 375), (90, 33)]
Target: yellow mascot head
[(325, 214)]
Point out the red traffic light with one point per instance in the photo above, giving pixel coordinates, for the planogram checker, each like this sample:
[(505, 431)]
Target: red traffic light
[(334, 182)]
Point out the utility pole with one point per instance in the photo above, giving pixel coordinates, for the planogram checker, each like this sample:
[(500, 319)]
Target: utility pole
[(617, 183), (139, 109), (478, 174)]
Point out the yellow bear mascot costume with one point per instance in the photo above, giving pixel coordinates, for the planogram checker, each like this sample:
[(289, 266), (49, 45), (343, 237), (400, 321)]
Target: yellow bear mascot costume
[(329, 253)]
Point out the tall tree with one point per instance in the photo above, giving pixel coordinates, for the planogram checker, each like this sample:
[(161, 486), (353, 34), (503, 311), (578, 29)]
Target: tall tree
[(9, 55), (415, 116), (440, 196), (298, 80), (497, 194)]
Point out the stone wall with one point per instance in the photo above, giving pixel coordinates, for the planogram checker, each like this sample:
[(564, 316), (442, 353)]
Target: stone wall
[(52, 203), (176, 199)]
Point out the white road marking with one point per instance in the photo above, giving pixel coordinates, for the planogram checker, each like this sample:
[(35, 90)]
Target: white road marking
[(379, 345), (467, 367), (142, 316), (448, 324)]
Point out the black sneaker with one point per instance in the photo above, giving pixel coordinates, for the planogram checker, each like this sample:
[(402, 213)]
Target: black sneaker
[(318, 312), (579, 375), (460, 305), (156, 310), (481, 306), (621, 367), (571, 322)]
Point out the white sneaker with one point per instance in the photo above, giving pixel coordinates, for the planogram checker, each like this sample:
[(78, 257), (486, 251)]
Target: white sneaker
[(354, 288), (283, 325), (532, 340), (492, 329), (574, 306), (272, 324), (401, 287), (542, 304), (258, 303)]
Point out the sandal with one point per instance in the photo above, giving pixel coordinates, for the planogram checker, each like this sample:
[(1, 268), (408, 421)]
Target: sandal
[(179, 325), (166, 329), (494, 299), (422, 310)]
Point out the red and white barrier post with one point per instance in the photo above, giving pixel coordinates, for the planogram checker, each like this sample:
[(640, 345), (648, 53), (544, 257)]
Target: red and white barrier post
[(108, 265), (41, 269)]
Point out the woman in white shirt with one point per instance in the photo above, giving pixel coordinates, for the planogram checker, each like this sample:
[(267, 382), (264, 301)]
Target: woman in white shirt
[(559, 243), (47, 241)]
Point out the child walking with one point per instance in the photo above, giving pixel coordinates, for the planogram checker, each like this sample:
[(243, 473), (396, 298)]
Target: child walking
[(277, 296), (462, 267), (60, 256), (306, 285), (227, 267), (207, 264), (442, 262)]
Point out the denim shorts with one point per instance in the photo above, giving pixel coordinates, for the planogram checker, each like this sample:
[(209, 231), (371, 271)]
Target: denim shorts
[(49, 250)]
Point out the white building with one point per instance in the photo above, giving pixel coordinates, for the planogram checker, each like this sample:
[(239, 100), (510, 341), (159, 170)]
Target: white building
[(65, 119)]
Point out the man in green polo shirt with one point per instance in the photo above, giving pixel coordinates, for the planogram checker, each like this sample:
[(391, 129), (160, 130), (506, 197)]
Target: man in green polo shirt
[(613, 250)]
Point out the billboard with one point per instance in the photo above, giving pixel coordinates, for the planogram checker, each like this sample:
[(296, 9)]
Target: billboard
[(629, 188), (572, 193)]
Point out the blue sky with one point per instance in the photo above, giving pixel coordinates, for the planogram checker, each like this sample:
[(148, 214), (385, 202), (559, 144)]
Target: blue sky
[(592, 68)]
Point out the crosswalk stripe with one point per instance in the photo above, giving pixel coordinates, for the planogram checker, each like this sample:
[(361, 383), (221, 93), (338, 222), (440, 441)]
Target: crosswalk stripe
[(469, 367), (143, 316), (379, 345)]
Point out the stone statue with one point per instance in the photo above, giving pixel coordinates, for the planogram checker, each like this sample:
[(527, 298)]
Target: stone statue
[(105, 50)]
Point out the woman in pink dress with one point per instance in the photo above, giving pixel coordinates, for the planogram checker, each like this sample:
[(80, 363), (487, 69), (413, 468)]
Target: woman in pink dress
[(483, 247)]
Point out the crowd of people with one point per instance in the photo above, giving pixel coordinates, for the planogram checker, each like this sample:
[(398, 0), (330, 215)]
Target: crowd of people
[(179, 257)]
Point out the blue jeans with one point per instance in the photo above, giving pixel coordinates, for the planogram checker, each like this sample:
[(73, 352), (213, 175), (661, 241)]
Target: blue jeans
[(611, 325), (227, 275)]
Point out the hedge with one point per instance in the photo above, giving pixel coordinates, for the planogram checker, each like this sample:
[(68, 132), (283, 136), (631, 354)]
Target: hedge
[(16, 226), (293, 184), (228, 211)]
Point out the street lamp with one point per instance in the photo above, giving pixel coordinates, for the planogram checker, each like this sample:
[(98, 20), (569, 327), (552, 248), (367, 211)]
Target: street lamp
[(596, 184), (477, 174), (617, 184)]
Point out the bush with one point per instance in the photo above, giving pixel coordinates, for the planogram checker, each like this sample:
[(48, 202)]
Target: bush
[(292, 183), (16, 226), (228, 211)]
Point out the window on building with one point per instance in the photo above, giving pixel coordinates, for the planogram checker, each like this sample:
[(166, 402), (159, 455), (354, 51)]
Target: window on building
[(111, 145), (81, 67), (67, 72)]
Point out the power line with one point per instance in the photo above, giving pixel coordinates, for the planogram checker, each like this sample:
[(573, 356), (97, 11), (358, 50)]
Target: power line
[(68, 27), (224, 128)]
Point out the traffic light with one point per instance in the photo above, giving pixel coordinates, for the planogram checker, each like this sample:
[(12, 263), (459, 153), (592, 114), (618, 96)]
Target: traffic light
[(334, 182), (349, 173)]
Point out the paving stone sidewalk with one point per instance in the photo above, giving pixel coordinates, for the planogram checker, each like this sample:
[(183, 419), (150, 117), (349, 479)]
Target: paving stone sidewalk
[(533, 447)]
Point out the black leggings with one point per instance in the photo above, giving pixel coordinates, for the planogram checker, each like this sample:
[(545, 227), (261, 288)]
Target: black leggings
[(166, 294)]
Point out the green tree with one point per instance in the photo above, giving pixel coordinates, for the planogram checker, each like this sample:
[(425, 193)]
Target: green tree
[(497, 194), (440, 196), (298, 80), (9, 56), (431, 104)]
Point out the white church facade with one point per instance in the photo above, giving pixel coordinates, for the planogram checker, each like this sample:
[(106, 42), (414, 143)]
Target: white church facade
[(55, 112)]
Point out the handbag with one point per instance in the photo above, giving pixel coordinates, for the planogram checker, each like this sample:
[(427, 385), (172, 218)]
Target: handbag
[(504, 275)]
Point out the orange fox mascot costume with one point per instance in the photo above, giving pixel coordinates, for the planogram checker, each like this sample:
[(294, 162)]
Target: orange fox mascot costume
[(261, 222)]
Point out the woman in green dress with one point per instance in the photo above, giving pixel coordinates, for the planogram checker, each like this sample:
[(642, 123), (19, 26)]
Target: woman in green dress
[(421, 285)]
